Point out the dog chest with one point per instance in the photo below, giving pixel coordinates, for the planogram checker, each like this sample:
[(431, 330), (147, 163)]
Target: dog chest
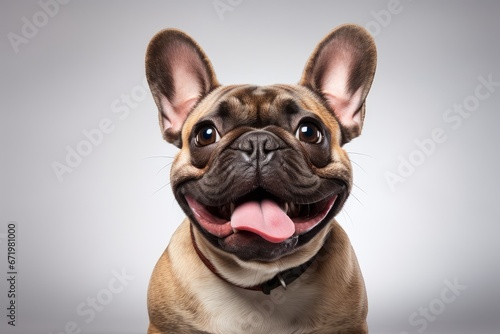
[(236, 310)]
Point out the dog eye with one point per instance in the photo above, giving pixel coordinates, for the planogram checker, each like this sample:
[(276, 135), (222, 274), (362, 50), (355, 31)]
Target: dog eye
[(309, 133), (207, 135)]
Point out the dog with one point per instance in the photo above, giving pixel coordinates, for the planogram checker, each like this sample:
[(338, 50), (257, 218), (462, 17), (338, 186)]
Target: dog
[(261, 174)]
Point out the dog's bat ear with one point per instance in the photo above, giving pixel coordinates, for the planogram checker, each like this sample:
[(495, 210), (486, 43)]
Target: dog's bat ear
[(341, 69), (179, 75)]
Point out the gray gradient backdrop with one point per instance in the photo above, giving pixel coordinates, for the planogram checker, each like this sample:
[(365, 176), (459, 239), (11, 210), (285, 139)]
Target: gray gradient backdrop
[(81, 67)]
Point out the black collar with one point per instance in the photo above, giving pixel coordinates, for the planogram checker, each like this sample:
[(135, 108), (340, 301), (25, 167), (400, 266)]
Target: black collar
[(283, 278)]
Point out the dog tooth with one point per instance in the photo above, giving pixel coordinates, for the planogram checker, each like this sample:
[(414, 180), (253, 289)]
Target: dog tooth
[(286, 208), (294, 210)]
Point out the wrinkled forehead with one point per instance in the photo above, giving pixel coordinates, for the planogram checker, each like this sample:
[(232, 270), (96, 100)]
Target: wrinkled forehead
[(261, 106)]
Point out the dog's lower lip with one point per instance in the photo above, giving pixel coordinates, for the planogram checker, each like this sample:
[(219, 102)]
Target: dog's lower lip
[(221, 226), (304, 224), (216, 226)]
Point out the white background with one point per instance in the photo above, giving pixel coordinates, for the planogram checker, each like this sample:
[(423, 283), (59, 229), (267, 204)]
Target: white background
[(115, 212)]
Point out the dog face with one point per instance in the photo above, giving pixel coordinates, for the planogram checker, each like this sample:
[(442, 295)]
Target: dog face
[(261, 170)]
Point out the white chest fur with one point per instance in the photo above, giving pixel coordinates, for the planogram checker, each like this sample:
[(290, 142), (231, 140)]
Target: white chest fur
[(235, 310)]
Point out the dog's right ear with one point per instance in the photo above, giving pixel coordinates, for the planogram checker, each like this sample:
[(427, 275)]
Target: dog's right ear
[(179, 75)]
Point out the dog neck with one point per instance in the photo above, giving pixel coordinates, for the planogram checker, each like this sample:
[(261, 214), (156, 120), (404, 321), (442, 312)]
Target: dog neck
[(283, 278)]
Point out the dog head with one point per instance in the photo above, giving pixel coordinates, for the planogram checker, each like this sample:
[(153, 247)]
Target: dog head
[(261, 170)]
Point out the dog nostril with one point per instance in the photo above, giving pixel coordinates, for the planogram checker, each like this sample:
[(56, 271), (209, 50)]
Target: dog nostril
[(246, 146), (269, 145)]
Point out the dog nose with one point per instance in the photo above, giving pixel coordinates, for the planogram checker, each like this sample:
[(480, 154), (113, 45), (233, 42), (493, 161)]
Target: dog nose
[(258, 145)]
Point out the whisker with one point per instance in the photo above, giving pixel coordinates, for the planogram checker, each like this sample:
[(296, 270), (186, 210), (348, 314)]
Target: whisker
[(363, 154), (364, 192), (158, 156), (359, 166), (166, 185), (167, 165), (357, 199), (346, 214)]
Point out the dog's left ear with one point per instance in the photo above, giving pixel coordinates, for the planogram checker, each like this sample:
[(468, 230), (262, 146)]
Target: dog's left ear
[(341, 69), (179, 74)]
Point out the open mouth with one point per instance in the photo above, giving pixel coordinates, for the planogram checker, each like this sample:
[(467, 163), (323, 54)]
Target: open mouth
[(271, 218)]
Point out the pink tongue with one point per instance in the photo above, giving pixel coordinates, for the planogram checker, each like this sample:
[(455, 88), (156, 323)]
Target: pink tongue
[(265, 219)]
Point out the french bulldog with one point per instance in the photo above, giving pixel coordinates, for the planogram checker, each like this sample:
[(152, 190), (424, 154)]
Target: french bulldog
[(261, 174)]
